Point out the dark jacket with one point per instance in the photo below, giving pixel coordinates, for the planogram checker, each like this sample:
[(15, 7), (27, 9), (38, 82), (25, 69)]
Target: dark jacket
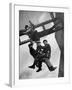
[(47, 51)]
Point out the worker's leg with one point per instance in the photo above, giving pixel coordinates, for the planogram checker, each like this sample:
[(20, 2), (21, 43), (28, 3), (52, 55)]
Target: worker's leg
[(39, 65), (33, 53), (49, 65)]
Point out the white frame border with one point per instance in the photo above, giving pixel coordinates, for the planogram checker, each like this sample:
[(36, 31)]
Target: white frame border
[(14, 45)]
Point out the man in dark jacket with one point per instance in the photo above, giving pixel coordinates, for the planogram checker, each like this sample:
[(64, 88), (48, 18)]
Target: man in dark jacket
[(36, 55), (47, 55)]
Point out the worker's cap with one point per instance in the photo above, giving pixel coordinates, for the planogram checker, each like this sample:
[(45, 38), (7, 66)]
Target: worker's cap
[(45, 40), (26, 26)]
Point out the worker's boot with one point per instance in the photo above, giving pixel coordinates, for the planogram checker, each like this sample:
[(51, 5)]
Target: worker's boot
[(39, 69), (51, 68), (33, 66)]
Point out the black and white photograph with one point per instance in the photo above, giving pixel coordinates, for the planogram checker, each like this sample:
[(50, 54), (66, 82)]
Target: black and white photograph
[(41, 44)]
